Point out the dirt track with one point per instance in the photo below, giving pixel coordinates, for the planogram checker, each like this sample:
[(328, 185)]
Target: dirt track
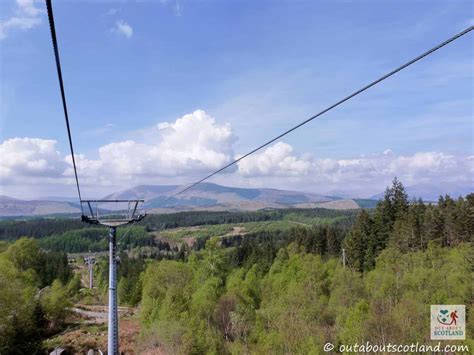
[(99, 314)]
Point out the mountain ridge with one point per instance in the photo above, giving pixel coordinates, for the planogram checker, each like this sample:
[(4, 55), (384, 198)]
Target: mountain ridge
[(214, 197), (205, 196)]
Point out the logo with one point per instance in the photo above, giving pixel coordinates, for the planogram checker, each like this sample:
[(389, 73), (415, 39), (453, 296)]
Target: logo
[(448, 322)]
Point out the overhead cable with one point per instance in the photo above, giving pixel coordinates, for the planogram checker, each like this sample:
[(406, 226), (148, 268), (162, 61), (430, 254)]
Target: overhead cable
[(355, 93), (63, 95)]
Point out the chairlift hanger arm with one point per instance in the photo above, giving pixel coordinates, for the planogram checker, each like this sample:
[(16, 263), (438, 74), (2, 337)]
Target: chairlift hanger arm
[(110, 218)]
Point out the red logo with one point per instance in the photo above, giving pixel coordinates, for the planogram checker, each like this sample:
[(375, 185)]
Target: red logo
[(444, 319)]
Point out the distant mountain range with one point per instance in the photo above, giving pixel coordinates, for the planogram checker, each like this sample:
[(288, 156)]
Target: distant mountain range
[(217, 197), (14, 207), (213, 197), (205, 196)]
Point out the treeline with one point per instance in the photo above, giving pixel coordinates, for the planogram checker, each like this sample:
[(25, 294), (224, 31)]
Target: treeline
[(96, 239), (408, 226), (262, 247), (74, 236), (199, 218), (42, 227), (35, 292), (38, 228)]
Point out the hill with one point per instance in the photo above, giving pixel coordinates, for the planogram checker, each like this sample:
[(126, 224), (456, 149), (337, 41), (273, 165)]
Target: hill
[(14, 207), (205, 196), (215, 197)]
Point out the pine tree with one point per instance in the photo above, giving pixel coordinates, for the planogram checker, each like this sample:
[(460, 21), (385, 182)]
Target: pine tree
[(357, 241), (399, 199), (433, 225), (333, 241), (464, 219), (393, 207), (417, 216), (448, 209), (407, 229), (383, 221)]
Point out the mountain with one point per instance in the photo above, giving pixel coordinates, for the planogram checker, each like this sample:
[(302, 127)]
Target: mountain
[(10, 207), (217, 197), (205, 196), (145, 192), (60, 199)]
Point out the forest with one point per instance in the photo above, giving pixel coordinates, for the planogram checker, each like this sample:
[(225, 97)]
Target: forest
[(36, 290), (280, 288)]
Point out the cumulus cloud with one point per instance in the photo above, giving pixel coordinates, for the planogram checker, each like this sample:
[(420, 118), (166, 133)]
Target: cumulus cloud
[(362, 175), (192, 145), (195, 141), (196, 144), (277, 160), (27, 16), (387, 164), (30, 157), (123, 28)]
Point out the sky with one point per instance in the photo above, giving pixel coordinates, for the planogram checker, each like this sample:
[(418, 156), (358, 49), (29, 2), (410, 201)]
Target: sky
[(165, 92)]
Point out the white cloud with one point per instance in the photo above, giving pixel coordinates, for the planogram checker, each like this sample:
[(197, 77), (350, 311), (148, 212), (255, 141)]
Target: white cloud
[(195, 140), (196, 144), (27, 16), (186, 148), (123, 28), (276, 160), (29, 8), (192, 144), (279, 166), (29, 158)]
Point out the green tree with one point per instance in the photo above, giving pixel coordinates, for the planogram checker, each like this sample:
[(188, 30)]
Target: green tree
[(398, 199), (294, 304), (433, 225), (74, 285), (166, 280), (20, 331), (214, 261), (351, 324), (25, 254), (55, 303), (359, 243)]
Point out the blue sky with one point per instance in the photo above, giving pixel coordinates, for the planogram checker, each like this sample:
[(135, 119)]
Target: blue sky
[(255, 69)]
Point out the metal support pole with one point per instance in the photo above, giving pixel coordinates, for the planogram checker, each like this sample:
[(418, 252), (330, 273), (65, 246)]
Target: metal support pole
[(344, 258), (90, 275), (112, 222), (113, 314)]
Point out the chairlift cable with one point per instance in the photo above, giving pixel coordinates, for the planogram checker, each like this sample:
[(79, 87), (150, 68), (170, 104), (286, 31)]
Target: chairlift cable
[(347, 98), (63, 95)]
